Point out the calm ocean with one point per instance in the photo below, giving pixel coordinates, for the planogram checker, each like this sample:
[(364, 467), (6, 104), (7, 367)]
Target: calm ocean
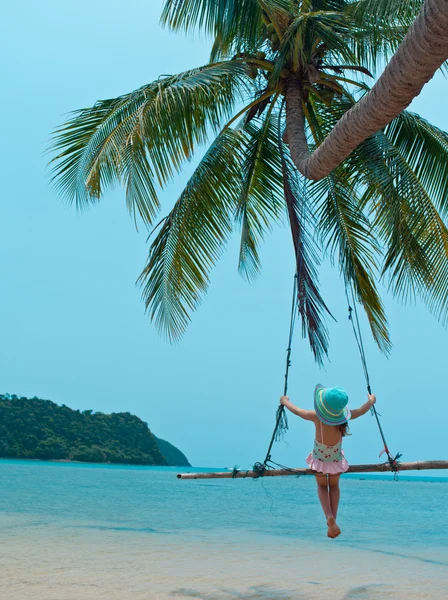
[(90, 532)]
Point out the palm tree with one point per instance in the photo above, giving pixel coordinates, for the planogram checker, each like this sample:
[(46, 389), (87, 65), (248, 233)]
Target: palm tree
[(285, 77)]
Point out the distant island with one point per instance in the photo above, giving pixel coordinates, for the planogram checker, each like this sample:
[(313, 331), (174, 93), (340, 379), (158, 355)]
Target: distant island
[(40, 429)]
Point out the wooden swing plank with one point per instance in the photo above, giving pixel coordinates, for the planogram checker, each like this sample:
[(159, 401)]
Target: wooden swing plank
[(374, 468)]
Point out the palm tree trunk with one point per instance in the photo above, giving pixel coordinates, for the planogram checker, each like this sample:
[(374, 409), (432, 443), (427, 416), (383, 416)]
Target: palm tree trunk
[(421, 53)]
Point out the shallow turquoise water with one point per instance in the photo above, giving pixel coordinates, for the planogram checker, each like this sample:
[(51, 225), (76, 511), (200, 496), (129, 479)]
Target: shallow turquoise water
[(72, 531)]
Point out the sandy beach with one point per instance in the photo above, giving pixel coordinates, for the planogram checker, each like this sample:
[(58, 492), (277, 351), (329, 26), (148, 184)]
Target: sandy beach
[(80, 532)]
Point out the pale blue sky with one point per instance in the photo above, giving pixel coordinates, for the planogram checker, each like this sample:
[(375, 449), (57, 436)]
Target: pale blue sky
[(72, 322)]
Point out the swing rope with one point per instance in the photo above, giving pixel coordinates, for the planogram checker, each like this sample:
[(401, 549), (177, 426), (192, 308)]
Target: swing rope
[(281, 420), (281, 423), (354, 320)]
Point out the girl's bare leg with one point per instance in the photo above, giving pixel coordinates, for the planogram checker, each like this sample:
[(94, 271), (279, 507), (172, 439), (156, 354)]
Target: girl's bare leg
[(324, 493), (335, 493)]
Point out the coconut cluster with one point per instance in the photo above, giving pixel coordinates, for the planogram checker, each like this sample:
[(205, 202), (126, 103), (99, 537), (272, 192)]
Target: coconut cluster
[(271, 33)]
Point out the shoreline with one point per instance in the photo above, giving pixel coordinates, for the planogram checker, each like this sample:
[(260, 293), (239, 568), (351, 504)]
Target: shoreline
[(368, 477), (82, 462)]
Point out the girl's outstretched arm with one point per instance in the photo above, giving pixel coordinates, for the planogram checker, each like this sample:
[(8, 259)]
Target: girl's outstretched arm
[(358, 412), (308, 415)]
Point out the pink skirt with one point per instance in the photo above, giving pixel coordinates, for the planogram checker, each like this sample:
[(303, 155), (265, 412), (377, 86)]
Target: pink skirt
[(328, 468)]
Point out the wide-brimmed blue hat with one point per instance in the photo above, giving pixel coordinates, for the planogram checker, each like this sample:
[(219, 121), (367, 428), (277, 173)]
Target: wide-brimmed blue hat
[(330, 405)]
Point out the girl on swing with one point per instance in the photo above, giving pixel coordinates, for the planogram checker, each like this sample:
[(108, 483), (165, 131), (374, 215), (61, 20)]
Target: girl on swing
[(330, 417)]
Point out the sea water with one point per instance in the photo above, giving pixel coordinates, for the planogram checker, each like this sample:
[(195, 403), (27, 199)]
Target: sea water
[(90, 532)]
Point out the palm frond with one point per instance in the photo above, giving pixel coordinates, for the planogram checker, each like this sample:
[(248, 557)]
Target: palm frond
[(261, 201), (235, 26), (215, 18), (232, 24), (403, 12), (374, 46), (393, 219), (143, 138), (141, 194), (312, 307), (309, 29), (335, 5), (426, 150), (428, 231), (414, 234), (349, 239), (192, 237)]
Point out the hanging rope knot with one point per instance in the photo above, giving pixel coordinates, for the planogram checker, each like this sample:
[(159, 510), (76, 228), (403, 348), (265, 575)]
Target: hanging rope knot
[(259, 469), (395, 465), (394, 462), (282, 424), (350, 310)]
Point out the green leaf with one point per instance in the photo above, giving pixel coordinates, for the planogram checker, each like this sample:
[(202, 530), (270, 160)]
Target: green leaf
[(347, 233), (413, 233), (392, 12), (379, 28), (261, 201), (311, 305), (426, 150), (143, 138), (193, 236), (233, 24)]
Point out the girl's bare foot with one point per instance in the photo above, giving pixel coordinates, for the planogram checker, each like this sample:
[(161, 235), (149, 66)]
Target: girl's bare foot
[(333, 529)]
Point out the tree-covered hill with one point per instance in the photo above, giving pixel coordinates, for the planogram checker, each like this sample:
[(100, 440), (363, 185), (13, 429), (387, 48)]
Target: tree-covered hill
[(172, 454), (34, 428)]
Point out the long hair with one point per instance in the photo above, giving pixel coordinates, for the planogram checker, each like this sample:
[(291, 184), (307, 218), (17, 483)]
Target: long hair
[(344, 429)]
